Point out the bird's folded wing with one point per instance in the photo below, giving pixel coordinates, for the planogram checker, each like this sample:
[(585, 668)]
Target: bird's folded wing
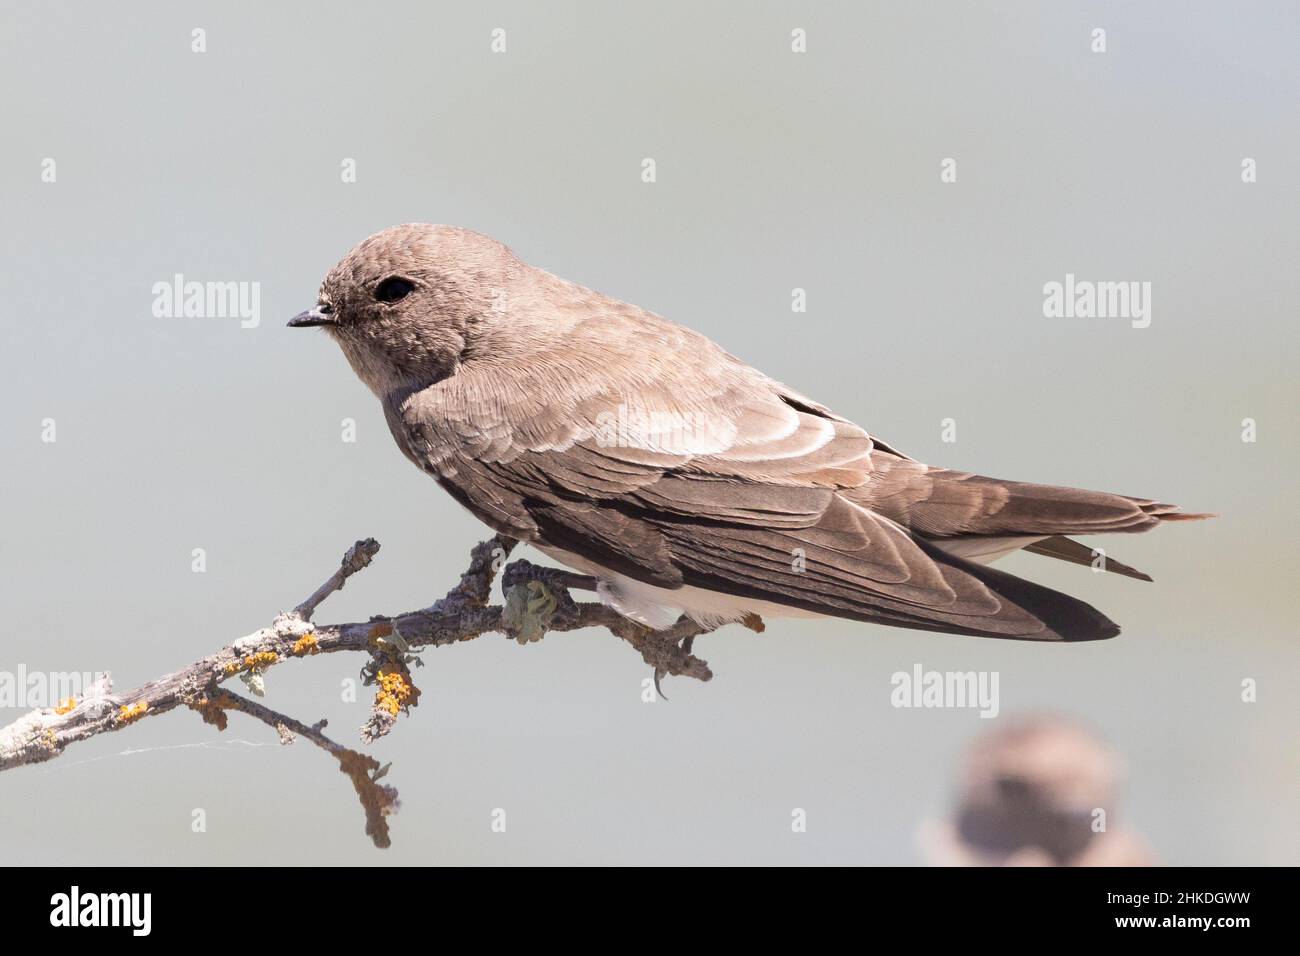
[(734, 485)]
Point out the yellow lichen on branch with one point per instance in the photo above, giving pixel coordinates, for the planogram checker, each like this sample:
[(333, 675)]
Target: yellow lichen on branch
[(307, 644), (396, 692), (261, 659), (212, 710), (253, 662), (129, 712)]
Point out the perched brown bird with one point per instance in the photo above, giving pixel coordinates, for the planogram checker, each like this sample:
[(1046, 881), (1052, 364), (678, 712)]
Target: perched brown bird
[(636, 450), (1038, 792)]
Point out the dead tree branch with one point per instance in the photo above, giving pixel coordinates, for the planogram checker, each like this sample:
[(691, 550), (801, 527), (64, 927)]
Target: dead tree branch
[(537, 602)]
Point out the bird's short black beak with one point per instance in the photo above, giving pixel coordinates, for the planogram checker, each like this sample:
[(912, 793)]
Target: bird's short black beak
[(311, 317)]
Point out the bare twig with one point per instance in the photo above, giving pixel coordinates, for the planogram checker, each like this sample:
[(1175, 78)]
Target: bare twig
[(356, 558), (378, 800), (537, 602)]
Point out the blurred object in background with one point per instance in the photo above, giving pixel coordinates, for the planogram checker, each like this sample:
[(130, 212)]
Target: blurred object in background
[(1038, 792)]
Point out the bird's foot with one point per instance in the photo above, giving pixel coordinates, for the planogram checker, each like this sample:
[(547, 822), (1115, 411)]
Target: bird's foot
[(689, 631)]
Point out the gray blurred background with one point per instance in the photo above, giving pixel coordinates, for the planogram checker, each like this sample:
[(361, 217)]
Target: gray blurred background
[(775, 170)]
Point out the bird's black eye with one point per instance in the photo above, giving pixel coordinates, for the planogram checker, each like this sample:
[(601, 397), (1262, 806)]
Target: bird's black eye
[(394, 288)]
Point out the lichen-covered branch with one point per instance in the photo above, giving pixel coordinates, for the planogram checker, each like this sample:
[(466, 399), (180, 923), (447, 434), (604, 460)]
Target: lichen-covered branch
[(537, 602), (377, 799)]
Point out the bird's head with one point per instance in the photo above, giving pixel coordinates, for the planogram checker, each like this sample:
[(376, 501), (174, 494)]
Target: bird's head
[(407, 303)]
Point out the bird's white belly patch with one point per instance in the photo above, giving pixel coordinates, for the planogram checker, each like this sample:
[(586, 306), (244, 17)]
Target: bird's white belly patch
[(659, 608)]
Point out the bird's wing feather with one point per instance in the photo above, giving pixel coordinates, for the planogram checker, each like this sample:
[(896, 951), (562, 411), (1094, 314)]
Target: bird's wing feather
[(702, 471), (942, 503)]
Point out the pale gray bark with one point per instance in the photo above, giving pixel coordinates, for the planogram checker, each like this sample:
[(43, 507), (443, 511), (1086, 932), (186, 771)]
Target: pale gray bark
[(537, 602)]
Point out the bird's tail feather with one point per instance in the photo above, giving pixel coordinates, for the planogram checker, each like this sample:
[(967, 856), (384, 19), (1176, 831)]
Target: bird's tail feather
[(1067, 549)]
